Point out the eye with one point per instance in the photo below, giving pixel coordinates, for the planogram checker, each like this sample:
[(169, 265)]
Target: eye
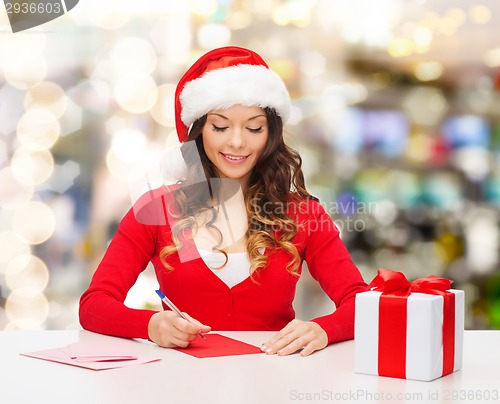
[(255, 130), (218, 128)]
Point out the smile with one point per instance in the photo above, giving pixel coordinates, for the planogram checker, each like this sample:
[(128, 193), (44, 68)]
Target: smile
[(234, 159)]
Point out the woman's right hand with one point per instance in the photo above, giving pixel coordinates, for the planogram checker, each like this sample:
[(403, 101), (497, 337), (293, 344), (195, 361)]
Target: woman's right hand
[(168, 330)]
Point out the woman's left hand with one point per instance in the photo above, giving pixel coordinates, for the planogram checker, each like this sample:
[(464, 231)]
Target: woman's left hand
[(297, 335)]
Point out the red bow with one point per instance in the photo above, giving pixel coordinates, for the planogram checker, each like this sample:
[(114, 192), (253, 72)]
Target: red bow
[(395, 283)]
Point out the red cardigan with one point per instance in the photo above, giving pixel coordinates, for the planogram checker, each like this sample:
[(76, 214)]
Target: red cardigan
[(264, 303)]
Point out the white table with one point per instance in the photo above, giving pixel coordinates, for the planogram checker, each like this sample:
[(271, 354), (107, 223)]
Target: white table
[(325, 376)]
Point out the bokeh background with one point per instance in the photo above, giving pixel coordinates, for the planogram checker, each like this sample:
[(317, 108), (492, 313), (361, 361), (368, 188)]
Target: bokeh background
[(396, 112)]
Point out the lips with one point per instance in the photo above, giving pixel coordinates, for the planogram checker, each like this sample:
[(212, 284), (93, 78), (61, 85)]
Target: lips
[(234, 159)]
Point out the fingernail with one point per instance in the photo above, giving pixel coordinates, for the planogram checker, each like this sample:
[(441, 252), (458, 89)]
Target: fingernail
[(263, 347), (269, 351)]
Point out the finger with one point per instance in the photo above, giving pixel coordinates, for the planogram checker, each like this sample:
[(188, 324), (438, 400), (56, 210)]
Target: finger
[(279, 335), (283, 342), (309, 349), (294, 346), (201, 327), (180, 342), (185, 329)]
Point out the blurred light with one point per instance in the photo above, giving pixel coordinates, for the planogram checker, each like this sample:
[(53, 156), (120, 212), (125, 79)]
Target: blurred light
[(72, 119), (400, 47), (32, 167), (64, 176), (93, 95), (163, 110), (38, 129), (118, 168), (444, 191), (3, 152), (27, 271), (348, 137), (213, 36), (359, 21), (296, 12), (136, 93), (47, 95), (346, 166), (480, 14), (128, 145), (482, 238), (127, 150), (27, 74), (419, 147), (103, 71), (20, 324), (203, 8), (431, 20), (21, 49), (380, 80), (428, 71), (281, 15), (295, 116), (457, 15), (115, 123), (133, 56), (34, 222), (11, 111), (12, 192), (313, 64), (172, 36), (448, 26), (425, 259), (492, 58), (425, 105), (238, 20), (423, 39), (386, 212), (405, 189), (110, 14), (473, 161), (12, 247), (28, 305)]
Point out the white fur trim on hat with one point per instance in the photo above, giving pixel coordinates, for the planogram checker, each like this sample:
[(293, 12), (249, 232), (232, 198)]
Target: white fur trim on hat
[(249, 85)]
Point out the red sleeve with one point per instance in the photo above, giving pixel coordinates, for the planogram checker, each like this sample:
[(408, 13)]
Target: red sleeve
[(330, 264), (102, 306)]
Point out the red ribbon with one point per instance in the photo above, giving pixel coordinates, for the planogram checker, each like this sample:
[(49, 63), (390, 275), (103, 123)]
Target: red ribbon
[(395, 290)]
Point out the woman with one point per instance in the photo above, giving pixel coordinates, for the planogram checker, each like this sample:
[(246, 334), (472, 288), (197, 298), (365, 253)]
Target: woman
[(235, 230)]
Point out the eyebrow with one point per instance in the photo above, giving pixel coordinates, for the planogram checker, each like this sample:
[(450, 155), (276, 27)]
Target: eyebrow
[(226, 118)]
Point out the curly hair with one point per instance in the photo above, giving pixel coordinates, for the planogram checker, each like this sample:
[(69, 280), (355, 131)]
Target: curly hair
[(276, 179)]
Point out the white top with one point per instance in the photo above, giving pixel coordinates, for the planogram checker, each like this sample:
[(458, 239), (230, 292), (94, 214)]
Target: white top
[(235, 271)]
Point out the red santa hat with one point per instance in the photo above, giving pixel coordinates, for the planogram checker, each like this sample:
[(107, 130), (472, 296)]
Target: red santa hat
[(225, 77)]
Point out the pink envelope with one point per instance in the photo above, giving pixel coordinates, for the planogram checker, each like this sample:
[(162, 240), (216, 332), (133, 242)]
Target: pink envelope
[(92, 355)]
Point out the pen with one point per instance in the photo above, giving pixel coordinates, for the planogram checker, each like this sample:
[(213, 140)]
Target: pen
[(172, 306)]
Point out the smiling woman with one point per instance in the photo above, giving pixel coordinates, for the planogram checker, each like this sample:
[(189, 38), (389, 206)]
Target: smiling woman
[(218, 254)]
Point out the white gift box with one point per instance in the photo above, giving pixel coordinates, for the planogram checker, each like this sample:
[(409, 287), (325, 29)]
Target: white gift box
[(424, 334)]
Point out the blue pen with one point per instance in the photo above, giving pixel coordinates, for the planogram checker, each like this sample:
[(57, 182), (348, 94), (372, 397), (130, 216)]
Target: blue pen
[(173, 307)]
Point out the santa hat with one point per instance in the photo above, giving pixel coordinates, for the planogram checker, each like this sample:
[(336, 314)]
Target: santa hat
[(225, 77)]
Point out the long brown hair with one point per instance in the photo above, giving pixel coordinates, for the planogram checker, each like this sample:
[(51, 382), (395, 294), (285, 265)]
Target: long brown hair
[(276, 179)]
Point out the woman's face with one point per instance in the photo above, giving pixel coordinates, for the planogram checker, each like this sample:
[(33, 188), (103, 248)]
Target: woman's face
[(233, 139)]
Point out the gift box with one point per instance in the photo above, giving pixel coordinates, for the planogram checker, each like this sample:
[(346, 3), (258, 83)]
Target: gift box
[(411, 330)]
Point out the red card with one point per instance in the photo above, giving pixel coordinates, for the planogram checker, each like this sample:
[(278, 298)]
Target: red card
[(218, 345)]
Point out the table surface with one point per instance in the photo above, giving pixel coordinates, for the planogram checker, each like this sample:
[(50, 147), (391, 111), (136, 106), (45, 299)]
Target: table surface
[(325, 376)]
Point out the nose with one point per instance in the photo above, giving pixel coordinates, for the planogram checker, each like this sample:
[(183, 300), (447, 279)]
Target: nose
[(236, 138)]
